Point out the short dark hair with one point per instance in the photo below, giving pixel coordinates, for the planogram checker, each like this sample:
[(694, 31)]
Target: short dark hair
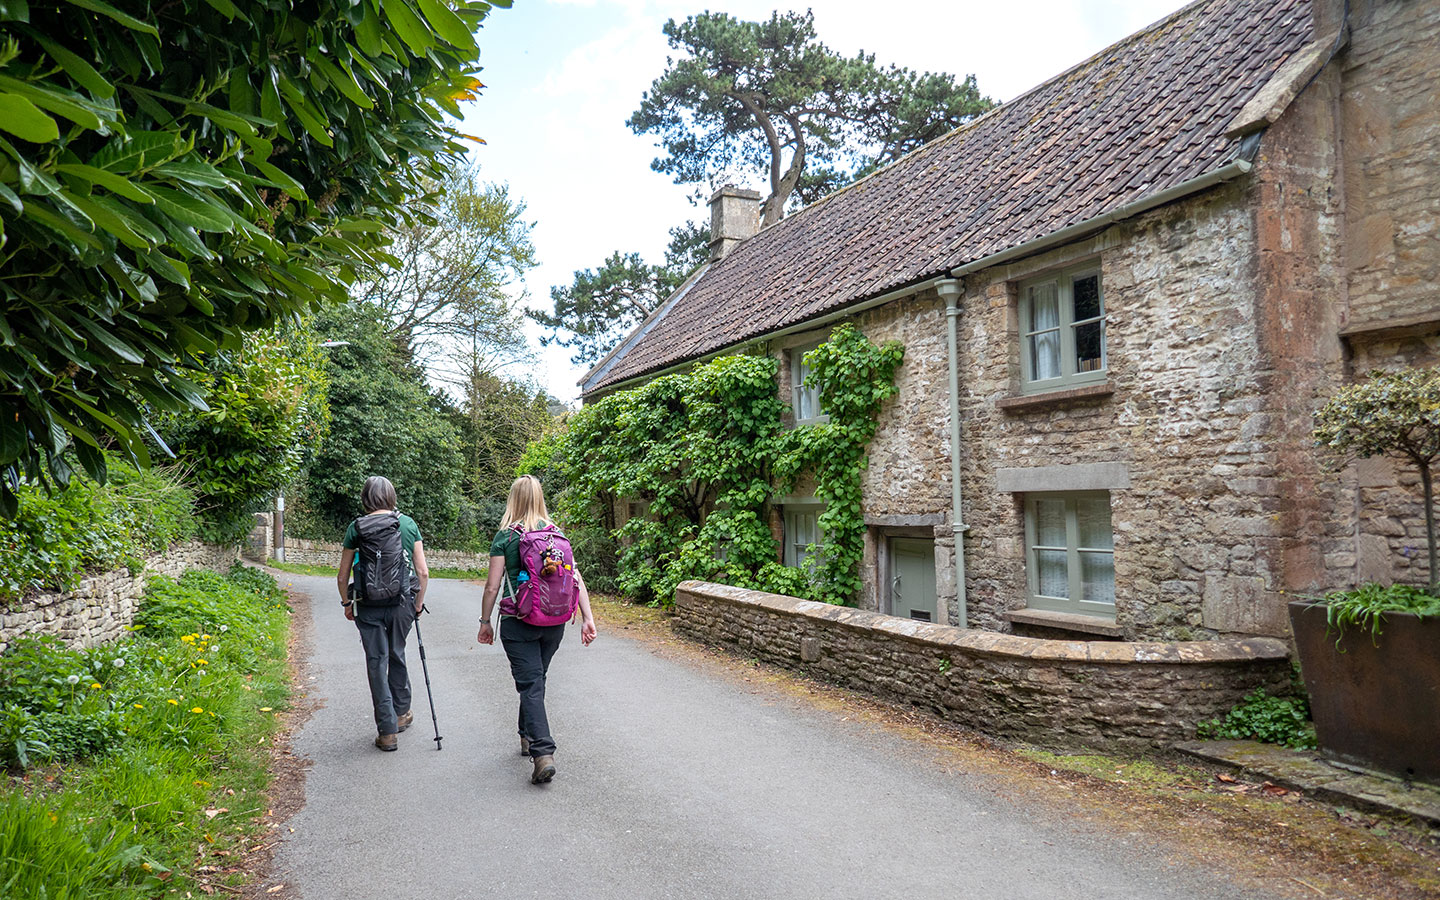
[(378, 493)]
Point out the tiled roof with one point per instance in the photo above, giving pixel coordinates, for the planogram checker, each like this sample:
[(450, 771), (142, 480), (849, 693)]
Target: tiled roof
[(1137, 118)]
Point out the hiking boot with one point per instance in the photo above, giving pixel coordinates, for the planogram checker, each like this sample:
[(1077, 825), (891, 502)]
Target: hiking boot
[(544, 770), (387, 742), (405, 721), (524, 746)]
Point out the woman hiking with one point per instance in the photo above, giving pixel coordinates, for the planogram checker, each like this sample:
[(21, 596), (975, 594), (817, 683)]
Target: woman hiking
[(388, 557), (525, 525)]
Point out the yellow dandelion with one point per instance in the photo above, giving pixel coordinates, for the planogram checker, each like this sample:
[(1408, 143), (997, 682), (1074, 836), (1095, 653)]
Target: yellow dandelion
[(203, 662), (197, 710), (138, 705), (173, 702), (95, 686)]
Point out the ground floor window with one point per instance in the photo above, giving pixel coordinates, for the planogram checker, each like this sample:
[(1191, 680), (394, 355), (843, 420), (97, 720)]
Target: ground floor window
[(802, 534), (1070, 553)]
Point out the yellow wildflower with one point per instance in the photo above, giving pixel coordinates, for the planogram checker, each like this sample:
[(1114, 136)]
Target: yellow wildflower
[(173, 702), (138, 705), (95, 686), (197, 710)]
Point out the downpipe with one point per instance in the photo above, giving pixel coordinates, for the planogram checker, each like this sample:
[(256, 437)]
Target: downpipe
[(950, 291)]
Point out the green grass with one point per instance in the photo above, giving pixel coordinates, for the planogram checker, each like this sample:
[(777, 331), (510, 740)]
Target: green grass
[(133, 811), (435, 572)]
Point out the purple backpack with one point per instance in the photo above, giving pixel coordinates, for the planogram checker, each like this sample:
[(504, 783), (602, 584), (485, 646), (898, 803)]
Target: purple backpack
[(547, 593)]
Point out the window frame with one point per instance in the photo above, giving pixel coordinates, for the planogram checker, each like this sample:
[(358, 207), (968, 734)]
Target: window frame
[(794, 557), (797, 386), (1070, 376), (1075, 604)]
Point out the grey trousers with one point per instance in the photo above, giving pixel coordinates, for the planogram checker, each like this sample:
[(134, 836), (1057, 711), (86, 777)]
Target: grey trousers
[(383, 630)]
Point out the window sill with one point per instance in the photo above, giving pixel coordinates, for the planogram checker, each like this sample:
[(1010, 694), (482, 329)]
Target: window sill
[(1028, 402), (1391, 329), (1065, 622)]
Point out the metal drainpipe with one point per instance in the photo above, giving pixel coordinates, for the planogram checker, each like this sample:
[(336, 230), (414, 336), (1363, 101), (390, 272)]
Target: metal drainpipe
[(950, 291)]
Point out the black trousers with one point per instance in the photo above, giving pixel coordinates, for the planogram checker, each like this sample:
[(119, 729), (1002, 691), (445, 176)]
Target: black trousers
[(530, 648), (383, 631)]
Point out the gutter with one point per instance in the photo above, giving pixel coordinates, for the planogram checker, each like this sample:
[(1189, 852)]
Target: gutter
[(950, 291), (807, 325), (1227, 172)]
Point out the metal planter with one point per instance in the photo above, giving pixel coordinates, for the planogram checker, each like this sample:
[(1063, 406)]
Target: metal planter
[(1375, 699)]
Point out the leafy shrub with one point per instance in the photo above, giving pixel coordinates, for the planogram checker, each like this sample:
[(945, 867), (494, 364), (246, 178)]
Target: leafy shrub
[(57, 537), (152, 730), (1270, 720)]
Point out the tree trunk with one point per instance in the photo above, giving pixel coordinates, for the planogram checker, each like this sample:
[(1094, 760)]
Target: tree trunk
[(1428, 488)]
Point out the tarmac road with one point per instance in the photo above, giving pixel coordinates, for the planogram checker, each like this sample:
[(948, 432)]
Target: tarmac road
[(671, 784)]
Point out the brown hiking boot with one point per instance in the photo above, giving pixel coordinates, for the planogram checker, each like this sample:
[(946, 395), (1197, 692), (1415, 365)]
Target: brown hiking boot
[(524, 746), (544, 770), (405, 721), (387, 742)]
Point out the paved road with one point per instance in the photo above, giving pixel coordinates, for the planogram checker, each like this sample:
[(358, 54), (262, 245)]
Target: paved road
[(672, 785)]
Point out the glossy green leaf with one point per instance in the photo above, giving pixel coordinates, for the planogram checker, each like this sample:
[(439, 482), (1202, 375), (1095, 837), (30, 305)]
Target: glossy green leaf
[(116, 184), (77, 68), (367, 32), (105, 9), (14, 11), (225, 8), (190, 210), (139, 150), (102, 334), (66, 104), (281, 180), (447, 24), (21, 118), (407, 25), (343, 81)]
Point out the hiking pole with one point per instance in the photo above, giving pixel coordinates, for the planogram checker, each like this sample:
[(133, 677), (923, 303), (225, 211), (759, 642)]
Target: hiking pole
[(424, 667)]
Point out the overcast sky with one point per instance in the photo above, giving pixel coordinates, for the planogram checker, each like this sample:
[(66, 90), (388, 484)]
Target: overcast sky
[(562, 76)]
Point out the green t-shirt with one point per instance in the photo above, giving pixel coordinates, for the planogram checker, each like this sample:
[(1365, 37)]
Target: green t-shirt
[(409, 536), (507, 544)]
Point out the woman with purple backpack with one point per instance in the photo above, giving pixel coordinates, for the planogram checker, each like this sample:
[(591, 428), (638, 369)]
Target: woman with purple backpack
[(532, 560)]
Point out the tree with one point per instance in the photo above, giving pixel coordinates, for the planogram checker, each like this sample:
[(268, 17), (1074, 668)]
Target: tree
[(750, 93), (453, 269), (1392, 414), (266, 415), (603, 305), (384, 421), (173, 175)]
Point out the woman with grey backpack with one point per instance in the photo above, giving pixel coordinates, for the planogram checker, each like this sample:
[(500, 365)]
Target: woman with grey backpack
[(532, 561), (385, 549)]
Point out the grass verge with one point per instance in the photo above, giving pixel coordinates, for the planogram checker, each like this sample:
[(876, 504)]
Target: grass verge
[(139, 768)]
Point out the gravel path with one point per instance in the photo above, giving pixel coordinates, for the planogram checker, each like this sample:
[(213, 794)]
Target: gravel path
[(671, 784)]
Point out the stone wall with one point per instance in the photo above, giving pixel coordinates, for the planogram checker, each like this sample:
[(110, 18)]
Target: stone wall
[(1064, 694), (102, 606), (327, 553)]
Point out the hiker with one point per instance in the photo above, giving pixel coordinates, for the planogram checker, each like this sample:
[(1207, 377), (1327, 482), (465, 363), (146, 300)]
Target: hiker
[(543, 588), (388, 556)]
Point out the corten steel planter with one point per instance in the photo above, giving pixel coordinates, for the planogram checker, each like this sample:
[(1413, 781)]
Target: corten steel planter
[(1374, 706)]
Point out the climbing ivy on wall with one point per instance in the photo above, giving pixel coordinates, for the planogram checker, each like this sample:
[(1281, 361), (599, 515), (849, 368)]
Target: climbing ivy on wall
[(700, 454)]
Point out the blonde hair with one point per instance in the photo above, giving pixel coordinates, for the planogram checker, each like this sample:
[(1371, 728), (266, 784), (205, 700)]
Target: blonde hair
[(526, 504)]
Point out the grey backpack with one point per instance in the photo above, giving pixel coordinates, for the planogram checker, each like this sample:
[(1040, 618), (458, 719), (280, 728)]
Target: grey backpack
[(382, 574)]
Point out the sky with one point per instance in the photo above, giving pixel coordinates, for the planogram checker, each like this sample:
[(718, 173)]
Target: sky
[(562, 76)]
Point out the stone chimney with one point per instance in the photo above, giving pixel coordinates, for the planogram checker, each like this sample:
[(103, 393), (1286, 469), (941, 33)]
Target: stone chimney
[(734, 216)]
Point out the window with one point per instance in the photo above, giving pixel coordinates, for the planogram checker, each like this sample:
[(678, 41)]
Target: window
[(1070, 553), (804, 400), (1062, 328), (802, 530)]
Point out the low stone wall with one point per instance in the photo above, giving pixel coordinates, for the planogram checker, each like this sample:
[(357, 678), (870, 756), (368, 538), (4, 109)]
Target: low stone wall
[(1063, 694), (327, 553), (102, 606)]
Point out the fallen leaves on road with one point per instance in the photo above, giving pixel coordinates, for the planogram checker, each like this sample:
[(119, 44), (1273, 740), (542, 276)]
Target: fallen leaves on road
[(1236, 786)]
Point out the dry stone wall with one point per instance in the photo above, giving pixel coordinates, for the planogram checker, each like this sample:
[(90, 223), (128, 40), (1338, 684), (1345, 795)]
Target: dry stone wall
[(327, 553), (102, 607), (1063, 694)]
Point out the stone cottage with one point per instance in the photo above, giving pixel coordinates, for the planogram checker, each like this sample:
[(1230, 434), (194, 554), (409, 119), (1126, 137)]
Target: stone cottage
[(1122, 295)]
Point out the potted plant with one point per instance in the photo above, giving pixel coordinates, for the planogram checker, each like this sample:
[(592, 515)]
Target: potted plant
[(1370, 657)]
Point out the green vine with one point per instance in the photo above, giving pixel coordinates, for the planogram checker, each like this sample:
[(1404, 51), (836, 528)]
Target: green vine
[(703, 452)]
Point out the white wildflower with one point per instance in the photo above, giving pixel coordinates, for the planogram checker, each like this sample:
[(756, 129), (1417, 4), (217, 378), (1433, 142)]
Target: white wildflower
[(224, 628), (73, 679), (119, 662)]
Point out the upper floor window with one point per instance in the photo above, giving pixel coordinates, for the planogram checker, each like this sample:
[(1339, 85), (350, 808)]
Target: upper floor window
[(1062, 328), (805, 400)]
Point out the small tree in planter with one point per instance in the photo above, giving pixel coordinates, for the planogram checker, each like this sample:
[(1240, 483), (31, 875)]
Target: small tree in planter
[(1392, 414), (1374, 702)]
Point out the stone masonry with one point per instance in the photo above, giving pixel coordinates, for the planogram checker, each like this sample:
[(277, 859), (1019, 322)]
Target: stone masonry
[(327, 553), (1061, 694), (102, 606)]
